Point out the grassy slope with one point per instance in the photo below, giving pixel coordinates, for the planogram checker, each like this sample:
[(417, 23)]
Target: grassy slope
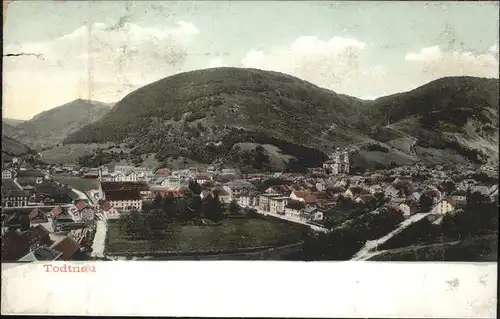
[(448, 116), (13, 147), (231, 234)]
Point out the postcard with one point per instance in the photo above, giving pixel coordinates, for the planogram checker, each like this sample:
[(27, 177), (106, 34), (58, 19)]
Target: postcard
[(304, 146)]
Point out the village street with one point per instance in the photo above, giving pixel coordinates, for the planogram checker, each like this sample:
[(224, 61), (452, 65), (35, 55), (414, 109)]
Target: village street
[(99, 242), (313, 227)]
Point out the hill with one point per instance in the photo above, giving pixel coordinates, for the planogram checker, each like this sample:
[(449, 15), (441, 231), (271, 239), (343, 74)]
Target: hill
[(453, 118), (13, 147), (284, 122), (8, 129), (51, 127), (202, 114), (13, 122)]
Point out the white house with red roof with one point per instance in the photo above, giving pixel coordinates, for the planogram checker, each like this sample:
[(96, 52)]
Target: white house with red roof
[(108, 210), (303, 197)]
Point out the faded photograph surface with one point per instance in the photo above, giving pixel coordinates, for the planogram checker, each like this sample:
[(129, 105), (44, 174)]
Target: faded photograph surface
[(303, 131)]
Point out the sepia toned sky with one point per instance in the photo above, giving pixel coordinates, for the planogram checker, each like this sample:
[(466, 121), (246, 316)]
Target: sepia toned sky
[(103, 50)]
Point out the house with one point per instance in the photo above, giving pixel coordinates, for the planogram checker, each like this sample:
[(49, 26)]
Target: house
[(376, 188), (277, 204), (365, 199), (335, 189), (232, 171), (83, 212), (108, 210), (247, 199), (415, 196), (123, 196), (163, 172), (264, 201), (391, 192), (312, 213), (58, 211), (304, 197), (205, 193), (42, 253), (14, 196), (12, 221), (8, 174), (433, 193), (174, 182), (278, 189), (444, 207), (202, 178), (355, 191), (293, 209), (460, 197), (236, 187), (37, 216), (92, 173), (39, 234), (338, 163), (224, 196), (408, 208), (166, 192), (211, 169), (67, 246), (16, 244)]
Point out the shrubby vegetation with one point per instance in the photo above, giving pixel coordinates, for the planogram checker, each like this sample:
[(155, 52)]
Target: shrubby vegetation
[(342, 244)]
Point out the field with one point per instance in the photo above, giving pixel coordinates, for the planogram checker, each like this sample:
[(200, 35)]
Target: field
[(81, 184), (231, 234)]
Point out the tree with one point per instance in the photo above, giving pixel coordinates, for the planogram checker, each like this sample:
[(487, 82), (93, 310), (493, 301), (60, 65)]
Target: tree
[(195, 187), (261, 159), (234, 207), (381, 199), (212, 208), (158, 201), (425, 203), (448, 186)]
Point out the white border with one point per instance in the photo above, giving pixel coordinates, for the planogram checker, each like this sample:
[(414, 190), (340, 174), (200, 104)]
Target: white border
[(254, 288)]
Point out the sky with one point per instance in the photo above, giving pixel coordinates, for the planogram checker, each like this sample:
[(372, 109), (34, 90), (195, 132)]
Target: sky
[(103, 50)]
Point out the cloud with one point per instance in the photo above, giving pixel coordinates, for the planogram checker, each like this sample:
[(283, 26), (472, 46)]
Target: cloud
[(123, 56), (334, 64), (216, 63), (340, 64), (432, 62)]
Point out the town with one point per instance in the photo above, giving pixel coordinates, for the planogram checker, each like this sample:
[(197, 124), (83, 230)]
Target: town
[(45, 216)]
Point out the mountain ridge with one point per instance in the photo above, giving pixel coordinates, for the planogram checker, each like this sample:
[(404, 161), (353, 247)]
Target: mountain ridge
[(202, 114), (50, 127)]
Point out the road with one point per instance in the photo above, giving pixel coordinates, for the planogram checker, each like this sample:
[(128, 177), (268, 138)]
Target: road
[(412, 146), (99, 242), (368, 250), (297, 221)]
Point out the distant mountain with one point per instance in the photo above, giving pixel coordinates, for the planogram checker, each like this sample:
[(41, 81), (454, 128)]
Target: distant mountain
[(13, 122), (51, 127), (261, 120)]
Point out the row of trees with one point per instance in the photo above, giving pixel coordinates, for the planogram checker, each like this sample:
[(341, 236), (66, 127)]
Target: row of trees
[(153, 221)]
